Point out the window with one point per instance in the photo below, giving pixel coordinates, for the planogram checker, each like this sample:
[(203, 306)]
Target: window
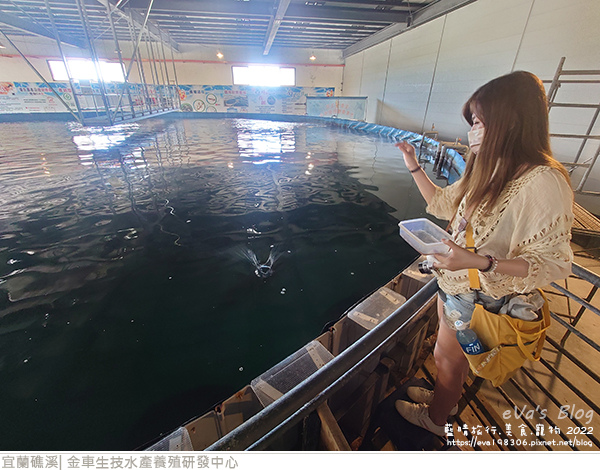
[(83, 69), (264, 75)]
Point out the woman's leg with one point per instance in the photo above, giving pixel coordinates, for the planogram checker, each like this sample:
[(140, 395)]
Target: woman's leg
[(452, 370)]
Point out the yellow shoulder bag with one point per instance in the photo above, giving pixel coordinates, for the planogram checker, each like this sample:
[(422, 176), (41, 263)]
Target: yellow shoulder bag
[(509, 341)]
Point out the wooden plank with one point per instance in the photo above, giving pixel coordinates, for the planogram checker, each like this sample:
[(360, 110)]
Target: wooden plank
[(488, 440), (507, 423), (467, 417), (460, 442), (355, 412), (388, 447), (584, 221), (516, 407), (381, 442), (472, 415), (382, 386), (332, 436)]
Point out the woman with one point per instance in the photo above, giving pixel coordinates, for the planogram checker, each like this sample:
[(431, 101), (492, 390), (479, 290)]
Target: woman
[(518, 200)]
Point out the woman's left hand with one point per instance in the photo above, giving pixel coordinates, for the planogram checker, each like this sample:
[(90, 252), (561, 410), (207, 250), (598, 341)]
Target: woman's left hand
[(459, 258)]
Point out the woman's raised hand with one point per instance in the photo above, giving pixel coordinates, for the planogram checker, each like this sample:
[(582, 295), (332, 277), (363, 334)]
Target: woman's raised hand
[(426, 187), (409, 154)]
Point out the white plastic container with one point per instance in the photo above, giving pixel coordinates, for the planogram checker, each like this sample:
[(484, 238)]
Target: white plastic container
[(424, 236), (376, 308), (281, 378)]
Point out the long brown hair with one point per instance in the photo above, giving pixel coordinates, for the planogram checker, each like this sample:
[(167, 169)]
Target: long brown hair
[(514, 111)]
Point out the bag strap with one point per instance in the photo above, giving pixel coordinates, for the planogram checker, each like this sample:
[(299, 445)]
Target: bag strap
[(546, 324), (475, 285), (473, 273), (522, 347)]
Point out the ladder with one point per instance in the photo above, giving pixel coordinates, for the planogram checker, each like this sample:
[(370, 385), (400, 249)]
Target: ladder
[(577, 77)]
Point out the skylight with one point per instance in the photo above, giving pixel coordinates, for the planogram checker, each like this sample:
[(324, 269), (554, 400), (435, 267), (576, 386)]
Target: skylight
[(264, 75), (83, 69)]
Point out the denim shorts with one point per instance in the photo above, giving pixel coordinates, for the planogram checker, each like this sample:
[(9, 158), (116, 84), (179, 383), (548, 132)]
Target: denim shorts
[(461, 306)]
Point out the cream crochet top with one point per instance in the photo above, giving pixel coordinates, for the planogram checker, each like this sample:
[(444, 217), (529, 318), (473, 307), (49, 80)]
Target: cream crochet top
[(532, 220)]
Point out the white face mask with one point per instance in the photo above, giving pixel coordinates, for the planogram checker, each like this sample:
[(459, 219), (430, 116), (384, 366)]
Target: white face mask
[(475, 137)]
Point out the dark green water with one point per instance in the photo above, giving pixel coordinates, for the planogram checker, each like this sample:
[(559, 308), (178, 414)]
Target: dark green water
[(128, 305)]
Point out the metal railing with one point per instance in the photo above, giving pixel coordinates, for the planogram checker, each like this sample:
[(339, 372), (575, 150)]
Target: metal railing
[(263, 428), (552, 365), (590, 77), (100, 102), (594, 280)]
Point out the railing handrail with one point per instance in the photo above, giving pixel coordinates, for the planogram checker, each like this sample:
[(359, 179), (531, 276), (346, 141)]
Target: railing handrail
[(309, 394), (586, 274), (315, 390)]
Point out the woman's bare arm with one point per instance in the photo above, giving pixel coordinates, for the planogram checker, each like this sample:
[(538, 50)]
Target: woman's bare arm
[(460, 258), (426, 186)]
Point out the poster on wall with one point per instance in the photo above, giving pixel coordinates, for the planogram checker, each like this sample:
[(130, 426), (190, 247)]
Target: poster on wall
[(30, 97), (201, 99), (235, 100), (246, 99), (9, 102), (350, 107)]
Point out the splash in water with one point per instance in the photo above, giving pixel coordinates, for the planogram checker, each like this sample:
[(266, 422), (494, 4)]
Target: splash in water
[(265, 269)]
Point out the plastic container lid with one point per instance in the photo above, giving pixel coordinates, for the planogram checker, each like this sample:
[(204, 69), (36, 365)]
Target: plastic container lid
[(376, 308), (178, 441), (284, 376), (424, 236)]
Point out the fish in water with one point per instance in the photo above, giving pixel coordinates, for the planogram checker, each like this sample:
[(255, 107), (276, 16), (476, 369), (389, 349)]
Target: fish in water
[(262, 270)]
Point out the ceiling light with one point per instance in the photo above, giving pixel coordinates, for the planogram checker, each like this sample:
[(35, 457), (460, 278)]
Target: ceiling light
[(312, 57), (219, 55), (2, 46)]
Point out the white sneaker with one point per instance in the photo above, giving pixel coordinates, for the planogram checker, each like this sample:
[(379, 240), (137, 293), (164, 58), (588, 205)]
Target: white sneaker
[(423, 395), (418, 414)]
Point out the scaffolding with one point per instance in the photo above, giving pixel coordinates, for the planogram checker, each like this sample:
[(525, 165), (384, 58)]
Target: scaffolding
[(99, 102), (588, 138)]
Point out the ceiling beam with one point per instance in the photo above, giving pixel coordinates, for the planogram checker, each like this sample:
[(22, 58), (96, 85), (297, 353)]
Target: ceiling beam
[(436, 9), (376, 38), (274, 23), (353, 14), (387, 3), (38, 30), (420, 17), (263, 8), (139, 21)]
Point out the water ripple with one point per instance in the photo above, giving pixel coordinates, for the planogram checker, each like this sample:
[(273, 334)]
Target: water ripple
[(146, 250)]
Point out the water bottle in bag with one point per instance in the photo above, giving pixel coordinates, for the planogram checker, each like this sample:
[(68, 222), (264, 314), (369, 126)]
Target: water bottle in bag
[(468, 339)]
